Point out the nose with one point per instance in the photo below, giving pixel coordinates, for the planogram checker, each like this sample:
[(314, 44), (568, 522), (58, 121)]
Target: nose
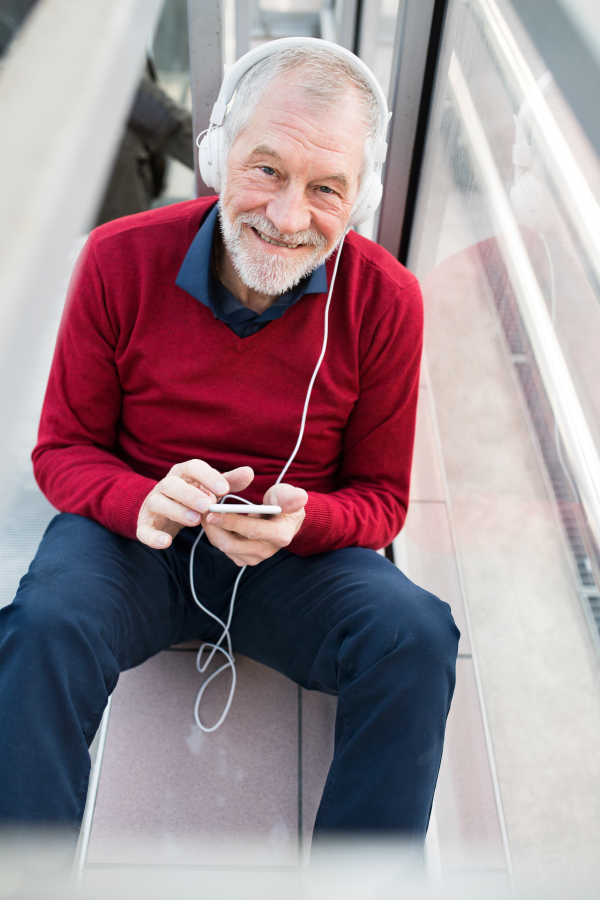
[(288, 210)]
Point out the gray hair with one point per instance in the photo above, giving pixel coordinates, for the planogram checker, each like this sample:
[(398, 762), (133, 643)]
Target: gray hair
[(325, 77)]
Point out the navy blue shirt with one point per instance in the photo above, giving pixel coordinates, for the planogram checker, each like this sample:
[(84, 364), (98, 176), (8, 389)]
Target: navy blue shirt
[(197, 278)]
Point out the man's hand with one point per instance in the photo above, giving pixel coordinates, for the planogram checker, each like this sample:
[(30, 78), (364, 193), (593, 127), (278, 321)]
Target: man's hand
[(248, 539), (180, 499)]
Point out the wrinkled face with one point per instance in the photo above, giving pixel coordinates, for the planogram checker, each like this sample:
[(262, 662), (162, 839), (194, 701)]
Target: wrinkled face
[(292, 179)]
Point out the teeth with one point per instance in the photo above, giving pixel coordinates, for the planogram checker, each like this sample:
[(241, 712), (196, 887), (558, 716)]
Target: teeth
[(276, 243)]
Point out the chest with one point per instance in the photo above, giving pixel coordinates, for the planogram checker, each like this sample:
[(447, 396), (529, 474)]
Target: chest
[(187, 377)]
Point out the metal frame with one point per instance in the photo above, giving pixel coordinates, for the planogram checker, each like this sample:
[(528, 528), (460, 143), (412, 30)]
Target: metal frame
[(94, 783), (65, 90), (416, 48), (207, 58)]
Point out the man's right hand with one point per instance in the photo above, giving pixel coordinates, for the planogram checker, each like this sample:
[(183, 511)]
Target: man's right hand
[(180, 498)]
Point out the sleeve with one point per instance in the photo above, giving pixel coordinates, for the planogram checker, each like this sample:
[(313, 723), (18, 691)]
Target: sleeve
[(369, 507), (75, 462), (157, 118)]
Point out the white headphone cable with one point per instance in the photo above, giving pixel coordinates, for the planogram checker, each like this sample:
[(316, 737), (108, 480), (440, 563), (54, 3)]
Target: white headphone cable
[(225, 636)]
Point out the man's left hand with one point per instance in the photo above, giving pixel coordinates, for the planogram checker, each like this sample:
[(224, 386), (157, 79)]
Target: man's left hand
[(248, 540)]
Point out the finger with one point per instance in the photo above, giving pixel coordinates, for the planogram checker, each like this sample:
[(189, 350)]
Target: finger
[(226, 541), (289, 498), (241, 551), (239, 478), (150, 536), (182, 492), (200, 472), (160, 505), (268, 530)]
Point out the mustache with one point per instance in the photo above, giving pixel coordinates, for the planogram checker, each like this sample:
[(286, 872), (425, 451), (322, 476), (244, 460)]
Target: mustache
[(262, 224)]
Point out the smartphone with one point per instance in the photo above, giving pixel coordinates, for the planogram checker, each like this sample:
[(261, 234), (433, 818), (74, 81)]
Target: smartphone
[(244, 508)]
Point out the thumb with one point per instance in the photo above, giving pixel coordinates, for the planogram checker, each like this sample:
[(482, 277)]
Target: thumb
[(290, 499), (238, 479)]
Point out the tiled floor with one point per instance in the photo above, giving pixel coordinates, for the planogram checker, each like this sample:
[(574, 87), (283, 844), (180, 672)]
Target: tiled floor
[(538, 669), (467, 818), (171, 794)]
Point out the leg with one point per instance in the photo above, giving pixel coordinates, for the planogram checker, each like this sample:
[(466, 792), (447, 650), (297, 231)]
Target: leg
[(92, 604), (349, 623)]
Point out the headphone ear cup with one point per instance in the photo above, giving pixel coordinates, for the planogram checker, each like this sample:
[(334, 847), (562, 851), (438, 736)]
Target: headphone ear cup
[(532, 203), (211, 155), (370, 201), (218, 148), (206, 169)]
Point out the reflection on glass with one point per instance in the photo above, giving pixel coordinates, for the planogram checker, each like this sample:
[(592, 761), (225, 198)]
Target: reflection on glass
[(512, 185)]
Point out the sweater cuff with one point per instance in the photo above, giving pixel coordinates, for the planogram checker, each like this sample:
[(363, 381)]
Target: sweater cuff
[(316, 527), (124, 515)]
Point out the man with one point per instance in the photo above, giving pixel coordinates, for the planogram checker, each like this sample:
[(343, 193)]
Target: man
[(180, 374)]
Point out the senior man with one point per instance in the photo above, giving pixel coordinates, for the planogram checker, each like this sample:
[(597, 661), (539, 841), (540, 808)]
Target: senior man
[(181, 368)]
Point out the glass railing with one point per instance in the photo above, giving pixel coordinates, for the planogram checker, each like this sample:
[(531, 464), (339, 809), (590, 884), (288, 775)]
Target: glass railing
[(523, 186), (505, 244)]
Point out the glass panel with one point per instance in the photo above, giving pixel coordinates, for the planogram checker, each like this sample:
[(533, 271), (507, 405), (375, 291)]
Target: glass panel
[(171, 50), (376, 37), (511, 177), (272, 19), (506, 246), (171, 55)]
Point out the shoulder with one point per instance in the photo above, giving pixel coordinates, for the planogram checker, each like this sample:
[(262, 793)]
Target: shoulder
[(167, 227), (376, 278), (370, 260)]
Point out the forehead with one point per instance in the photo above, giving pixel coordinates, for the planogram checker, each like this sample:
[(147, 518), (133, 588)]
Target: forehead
[(286, 121)]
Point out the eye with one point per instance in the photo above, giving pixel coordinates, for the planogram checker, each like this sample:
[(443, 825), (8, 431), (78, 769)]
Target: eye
[(267, 170), (326, 190)]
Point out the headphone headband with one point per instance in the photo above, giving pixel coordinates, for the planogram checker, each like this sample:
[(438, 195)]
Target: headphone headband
[(250, 59)]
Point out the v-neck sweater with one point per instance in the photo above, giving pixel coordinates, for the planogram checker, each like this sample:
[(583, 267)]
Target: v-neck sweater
[(144, 377)]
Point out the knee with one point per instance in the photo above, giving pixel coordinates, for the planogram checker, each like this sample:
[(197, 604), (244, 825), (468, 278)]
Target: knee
[(405, 622), (429, 627), (45, 610)]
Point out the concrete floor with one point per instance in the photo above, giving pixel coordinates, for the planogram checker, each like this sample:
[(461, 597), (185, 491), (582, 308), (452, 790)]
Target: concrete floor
[(539, 670)]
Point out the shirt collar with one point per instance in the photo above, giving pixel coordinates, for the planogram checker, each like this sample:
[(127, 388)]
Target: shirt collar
[(194, 274)]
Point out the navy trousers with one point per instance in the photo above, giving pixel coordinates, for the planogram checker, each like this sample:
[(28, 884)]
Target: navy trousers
[(346, 622)]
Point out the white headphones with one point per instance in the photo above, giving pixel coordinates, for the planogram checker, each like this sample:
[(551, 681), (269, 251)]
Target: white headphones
[(211, 149), (530, 196)]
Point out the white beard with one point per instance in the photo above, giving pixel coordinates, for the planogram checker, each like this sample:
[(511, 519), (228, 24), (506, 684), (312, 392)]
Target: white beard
[(264, 272)]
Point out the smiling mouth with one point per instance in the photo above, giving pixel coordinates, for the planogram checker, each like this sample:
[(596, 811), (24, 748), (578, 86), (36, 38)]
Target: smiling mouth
[(275, 243)]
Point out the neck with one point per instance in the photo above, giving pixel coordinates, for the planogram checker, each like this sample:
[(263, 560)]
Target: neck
[(228, 277)]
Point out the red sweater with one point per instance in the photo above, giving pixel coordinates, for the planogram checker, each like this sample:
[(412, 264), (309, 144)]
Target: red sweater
[(144, 377)]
